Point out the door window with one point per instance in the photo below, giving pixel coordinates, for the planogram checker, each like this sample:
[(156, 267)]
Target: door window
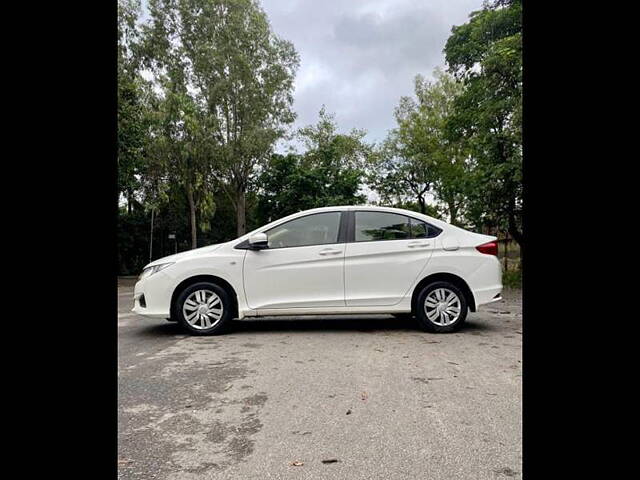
[(316, 229), (423, 230), (374, 226)]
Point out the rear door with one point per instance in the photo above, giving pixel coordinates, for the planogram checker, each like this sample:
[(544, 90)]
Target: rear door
[(386, 253)]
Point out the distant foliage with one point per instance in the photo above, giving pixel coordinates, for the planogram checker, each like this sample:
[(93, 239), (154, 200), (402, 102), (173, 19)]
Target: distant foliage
[(485, 55), (418, 158), (330, 172)]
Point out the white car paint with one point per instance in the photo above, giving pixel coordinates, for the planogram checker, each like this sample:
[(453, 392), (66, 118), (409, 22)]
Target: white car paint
[(295, 277), (381, 273), (339, 278)]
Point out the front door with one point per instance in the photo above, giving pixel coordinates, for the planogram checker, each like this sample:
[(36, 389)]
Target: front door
[(303, 266)]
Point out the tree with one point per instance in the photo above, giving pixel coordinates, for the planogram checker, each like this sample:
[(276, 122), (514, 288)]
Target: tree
[(329, 172), (182, 145), (245, 74), (131, 107), (398, 176), (417, 157), (132, 142), (182, 152), (423, 129), (486, 54)]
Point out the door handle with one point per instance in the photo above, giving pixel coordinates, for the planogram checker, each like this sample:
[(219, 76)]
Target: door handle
[(418, 244), (329, 251)]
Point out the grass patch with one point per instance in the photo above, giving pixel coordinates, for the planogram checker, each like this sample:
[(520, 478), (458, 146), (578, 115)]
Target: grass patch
[(512, 278)]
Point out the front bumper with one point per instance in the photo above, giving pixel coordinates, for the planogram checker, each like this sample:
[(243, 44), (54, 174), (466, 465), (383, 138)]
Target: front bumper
[(152, 296)]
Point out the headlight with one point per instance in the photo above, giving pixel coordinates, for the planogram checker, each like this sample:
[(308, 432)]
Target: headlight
[(147, 272)]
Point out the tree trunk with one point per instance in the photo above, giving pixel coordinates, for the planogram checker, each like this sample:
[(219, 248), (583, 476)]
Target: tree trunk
[(513, 226), (453, 213), (129, 202), (517, 236), (423, 205), (513, 230), (506, 252), (192, 216), (151, 237), (241, 227)]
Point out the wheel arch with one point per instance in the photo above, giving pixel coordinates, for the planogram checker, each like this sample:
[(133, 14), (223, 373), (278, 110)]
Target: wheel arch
[(221, 282), (445, 277)]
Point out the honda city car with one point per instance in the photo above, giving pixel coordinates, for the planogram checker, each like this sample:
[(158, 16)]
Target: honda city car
[(328, 261)]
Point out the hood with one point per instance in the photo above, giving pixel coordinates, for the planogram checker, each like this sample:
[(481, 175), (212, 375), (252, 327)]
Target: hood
[(183, 255)]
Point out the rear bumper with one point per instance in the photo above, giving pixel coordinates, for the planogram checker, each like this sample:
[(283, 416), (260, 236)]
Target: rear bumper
[(486, 281), (488, 295)]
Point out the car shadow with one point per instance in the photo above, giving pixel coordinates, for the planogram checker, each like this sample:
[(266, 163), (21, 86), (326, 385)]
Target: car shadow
[(372, 324), (334, 324), (162, 329)]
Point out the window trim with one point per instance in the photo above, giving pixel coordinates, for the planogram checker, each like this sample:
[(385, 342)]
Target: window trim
[(342, 231), (351, 234)]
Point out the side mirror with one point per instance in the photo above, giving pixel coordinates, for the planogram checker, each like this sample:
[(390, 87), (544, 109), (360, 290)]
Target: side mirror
[(258, 241)]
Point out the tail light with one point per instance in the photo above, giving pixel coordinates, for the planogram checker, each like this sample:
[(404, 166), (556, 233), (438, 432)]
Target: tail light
[(489, 248)]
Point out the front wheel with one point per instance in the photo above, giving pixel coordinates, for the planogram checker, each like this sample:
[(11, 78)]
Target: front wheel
[(202, 308), (441, 307)]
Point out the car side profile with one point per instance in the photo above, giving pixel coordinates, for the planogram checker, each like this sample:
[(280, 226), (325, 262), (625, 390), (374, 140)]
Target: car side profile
[(329, 261)]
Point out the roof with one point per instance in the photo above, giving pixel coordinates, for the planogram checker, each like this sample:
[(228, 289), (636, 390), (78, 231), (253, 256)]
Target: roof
[(377, 208)]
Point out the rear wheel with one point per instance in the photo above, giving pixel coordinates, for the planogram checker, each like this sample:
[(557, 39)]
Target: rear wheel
[(441, 307), (202, 308)]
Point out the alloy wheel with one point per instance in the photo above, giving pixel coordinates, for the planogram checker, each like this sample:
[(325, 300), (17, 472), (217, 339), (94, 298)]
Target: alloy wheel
[(442, 307), (202, 309)]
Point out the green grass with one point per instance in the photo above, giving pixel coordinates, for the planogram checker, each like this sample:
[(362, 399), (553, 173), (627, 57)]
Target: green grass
[(512, 278)]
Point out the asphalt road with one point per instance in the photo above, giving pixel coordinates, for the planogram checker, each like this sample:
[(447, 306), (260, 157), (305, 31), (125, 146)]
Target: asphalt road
[(384, 399)]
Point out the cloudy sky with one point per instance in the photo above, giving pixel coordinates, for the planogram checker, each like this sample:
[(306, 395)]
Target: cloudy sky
[(358, 57)]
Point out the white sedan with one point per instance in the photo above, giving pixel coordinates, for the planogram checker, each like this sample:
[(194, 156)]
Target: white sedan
[(329, 261)]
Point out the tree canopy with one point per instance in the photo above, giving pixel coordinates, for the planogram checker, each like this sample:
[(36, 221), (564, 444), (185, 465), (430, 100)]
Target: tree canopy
[(330, 172), (418, 158), (485, 55)]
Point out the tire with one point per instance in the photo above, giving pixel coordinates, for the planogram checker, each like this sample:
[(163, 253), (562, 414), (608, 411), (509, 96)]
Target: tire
[(403, 315), (438, 293), (200, 315)]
